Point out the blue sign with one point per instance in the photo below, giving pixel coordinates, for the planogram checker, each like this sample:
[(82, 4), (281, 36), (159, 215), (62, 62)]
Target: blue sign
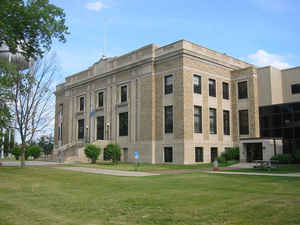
[(136, 155)]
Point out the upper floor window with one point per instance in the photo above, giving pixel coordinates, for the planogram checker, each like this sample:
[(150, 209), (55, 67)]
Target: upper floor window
[(81, 104), (212, 87), (295, 89), (243, 89), (123, 124), (243, 122), (169, 119), (225, 90), (100, 99), (197, 119), (168, 84), (226, 122), (213, 120), (124, 93), (197, 84)]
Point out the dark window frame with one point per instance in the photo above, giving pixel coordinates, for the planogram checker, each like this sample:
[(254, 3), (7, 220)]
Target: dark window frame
[(123, 124), (197, 87), (100, 129), (123, 94), (197, 127), (225, 87), (226, 122), (295, 89), (101, 99), (212, 86), (81, 104), (213, 121), (199, 154), (81, 129), (243, 89), (243, 128), (168, 121), (168, 87)]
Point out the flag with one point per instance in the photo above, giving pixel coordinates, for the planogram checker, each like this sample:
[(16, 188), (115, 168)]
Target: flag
[(92, 111)]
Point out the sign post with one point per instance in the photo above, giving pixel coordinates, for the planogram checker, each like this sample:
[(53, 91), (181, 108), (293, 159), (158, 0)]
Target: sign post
[(136, 157)]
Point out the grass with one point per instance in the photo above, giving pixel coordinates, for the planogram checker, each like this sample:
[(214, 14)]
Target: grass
[(146, 167), (46, 196), (282, 168)]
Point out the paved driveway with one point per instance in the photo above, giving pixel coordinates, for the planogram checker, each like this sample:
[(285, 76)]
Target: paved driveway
[(29, 163)]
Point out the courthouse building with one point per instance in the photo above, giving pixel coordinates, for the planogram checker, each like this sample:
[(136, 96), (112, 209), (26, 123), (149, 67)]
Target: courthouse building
[(180, 103)]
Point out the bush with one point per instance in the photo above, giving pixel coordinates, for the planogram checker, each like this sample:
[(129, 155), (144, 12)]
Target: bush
[(113, 152), (16, 152), (232, 154), (34, 151), (92, 152), (283, 158), (297, 156), (221, 159)]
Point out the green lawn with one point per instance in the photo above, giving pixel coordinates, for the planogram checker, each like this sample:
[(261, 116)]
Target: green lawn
[(146, 167), (283, 168), (48, 196)]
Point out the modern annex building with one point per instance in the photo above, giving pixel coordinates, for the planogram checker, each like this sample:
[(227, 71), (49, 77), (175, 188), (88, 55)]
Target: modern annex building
[(180, 103)]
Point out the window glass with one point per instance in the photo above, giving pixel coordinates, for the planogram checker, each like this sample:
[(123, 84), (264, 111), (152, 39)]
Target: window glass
[(225, 90), (198, 154), (81, 104), (197, 119), (123, 124), (81, 129), (242, 90), (100, 99), (168, 152), (168, 119), (124, 93), (226, 122), (243, 121), (168, 84), (295, 89), (100, 128), (212, 121), (212, 87), (197, 84), (213, 154)]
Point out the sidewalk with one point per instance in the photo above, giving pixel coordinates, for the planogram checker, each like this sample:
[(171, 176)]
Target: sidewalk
[(108, 172), (257, 174)]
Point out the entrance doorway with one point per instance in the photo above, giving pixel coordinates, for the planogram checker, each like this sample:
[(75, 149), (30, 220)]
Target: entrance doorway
[(254, 151)]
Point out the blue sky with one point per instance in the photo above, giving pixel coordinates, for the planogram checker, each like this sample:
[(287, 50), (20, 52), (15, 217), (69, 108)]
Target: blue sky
[(262, 32)]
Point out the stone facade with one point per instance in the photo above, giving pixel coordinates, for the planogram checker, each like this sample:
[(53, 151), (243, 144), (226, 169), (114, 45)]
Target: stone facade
[(143, 72)]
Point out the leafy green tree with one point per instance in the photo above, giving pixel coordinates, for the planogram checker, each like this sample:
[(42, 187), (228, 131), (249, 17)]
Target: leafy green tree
[(113, 152), (6, 142), (47, 144), (16, 152), (12, 139), (31, 26), (92, 152), (34, 151)]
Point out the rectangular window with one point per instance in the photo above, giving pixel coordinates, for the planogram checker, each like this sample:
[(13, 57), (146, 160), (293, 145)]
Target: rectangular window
[(225, 90), (168, 84), (124, 93), (100, 99), (197, 84), (213, 154), (212, 87), (198, 154), (226, 122), (168, 152), (123, 124), (169, 119), (243, 121), (243, 89), (100, 128), (212, 121), (81, 104), (197, 119), (295, 89), (81, 129)]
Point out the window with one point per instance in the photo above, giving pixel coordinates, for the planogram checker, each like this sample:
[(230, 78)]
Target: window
[(243, 89), (212, 87), (212, 121), (197, 84), (169, 119), (81, 104), (168, 154), (100, 99), (81, 129), (124, 93), (168, 84), (295, 89), (198, 154), (243, 121), (213, 154), (225, 90), (226, 122), (123, 124), (100, 128), (197, 119)]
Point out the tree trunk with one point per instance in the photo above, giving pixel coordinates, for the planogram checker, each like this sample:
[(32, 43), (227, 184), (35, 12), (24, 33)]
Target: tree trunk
[(23, 156)]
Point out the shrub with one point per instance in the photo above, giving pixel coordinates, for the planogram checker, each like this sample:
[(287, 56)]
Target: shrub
[(113, 152), (232, 154), (221, 159), (34, 151), (92, 152), (283, 158), (16, 152), (297, 156)]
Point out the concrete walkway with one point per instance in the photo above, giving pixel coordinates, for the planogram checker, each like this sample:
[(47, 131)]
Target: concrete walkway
[(29, 163), (107, 172), (257, 174)]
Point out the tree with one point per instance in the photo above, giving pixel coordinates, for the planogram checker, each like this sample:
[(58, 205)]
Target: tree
[(34, 151), (47, 144), (32, 101), (92, 152), (113, 152), (29, 26), (6, 143)]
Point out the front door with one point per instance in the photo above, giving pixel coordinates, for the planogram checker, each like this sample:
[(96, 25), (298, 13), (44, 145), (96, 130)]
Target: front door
[(254, 152)]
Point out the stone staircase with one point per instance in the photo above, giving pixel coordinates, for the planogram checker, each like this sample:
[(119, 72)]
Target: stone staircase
[(70, 153)]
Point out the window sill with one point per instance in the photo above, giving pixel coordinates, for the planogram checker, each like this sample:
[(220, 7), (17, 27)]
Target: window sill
[(100, 108), (122, 104), (80, 113)]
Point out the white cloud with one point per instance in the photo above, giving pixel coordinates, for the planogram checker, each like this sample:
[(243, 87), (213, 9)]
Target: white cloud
[(263, 58), (95, 6)]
